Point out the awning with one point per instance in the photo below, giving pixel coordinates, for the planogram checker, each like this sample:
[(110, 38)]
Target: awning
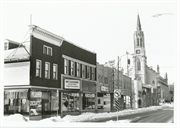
[(16, 90)]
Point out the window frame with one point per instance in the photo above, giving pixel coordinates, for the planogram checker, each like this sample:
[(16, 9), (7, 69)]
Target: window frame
[(72, 68), (83, 71), (93, 73), (47, 50), (48, 71), (78, 69), (88, 72), (56, 72), (66, 64), (39, 69)]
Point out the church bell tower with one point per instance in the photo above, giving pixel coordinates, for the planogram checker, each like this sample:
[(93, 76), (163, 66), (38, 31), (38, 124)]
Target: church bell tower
[(139, 58)]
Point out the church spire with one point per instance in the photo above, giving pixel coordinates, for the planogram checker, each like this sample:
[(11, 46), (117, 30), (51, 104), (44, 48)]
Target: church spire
[(138, 23)]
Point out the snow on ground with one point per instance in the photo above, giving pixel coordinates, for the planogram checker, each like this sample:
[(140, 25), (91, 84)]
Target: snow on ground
[(88, 116)]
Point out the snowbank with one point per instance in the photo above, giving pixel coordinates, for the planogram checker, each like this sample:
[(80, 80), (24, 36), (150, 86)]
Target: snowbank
[(15, 118), (88, 116)]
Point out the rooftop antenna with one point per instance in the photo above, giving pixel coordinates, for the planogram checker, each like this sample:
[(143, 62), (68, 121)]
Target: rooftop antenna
[(31, 19)]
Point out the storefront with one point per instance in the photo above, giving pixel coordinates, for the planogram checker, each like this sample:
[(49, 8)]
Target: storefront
[(71, 97), (16, 101), (33, 102), (88, 95), (103, 98)]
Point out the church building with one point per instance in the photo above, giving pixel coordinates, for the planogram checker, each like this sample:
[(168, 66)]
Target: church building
[(146, 80)]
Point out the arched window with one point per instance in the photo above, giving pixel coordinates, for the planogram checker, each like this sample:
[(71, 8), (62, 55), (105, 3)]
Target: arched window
[(138, 65), (137, 42), (153, 82), (140, 44)]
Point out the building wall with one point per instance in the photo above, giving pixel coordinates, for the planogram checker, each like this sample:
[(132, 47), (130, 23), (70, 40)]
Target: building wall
[(151, 76), (78, 53), (37, 53), (17, 73)]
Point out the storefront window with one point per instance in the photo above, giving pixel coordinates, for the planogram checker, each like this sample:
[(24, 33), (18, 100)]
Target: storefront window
[(16, 101), (88, 101), (35, 103), (70, 102)]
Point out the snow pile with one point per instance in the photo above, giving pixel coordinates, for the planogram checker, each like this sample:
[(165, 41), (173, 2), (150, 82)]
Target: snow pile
[(15, 118), (54, 119), (119, 121), (88, 116)]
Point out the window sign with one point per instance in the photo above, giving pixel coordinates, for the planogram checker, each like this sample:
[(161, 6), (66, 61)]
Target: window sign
[(89, 95), (103, 88), (72, 84), (37, 94)]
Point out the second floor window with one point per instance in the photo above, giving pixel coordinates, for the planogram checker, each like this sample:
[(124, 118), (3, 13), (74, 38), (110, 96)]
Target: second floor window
[(88, 72), (93, 76), (6, 46), (47, 50), (47, 70), (72, 68), (77, 69), (66, 66), (83, 71), (38, 68), (55, 71)]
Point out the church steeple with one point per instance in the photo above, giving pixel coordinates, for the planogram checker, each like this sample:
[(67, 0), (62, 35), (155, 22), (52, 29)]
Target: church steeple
[(139, 59), (138, 23)]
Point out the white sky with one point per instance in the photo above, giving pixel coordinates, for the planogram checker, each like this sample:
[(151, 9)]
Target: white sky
[(103, 27)]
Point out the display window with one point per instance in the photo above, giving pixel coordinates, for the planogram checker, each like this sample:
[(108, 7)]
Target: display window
[(54, 101), (36, 103), (128, 102), (16, 102), (88, 101), (70, 102)]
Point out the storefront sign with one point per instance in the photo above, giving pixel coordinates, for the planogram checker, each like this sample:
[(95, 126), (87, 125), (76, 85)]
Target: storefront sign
[(89, 95), (37, 94), (72, 84), (104, 89)]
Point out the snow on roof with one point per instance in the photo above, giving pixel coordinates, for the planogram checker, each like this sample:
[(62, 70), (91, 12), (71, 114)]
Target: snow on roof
[(20, 53)]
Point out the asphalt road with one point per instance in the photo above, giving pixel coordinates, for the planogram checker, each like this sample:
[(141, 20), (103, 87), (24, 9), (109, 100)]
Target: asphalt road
[(157, 116)]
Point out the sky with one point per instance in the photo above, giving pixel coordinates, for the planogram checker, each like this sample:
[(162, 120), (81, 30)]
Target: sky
[(104, 27)]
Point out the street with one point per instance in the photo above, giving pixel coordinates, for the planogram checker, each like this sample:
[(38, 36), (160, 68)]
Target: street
[(158, 116)]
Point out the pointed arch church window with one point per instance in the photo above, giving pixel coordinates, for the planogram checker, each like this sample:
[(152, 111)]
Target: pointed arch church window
[(138, 65), (138, 42)]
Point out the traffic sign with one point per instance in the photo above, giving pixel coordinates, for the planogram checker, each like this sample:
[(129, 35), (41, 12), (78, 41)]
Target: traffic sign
[(117, 93)]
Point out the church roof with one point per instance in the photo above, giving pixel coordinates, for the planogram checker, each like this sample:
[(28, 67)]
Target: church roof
[(138, 23)]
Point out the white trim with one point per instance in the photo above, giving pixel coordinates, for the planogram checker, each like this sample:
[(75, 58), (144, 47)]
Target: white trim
[(78, 61), (32, 87), (46, 37), (16, 90)]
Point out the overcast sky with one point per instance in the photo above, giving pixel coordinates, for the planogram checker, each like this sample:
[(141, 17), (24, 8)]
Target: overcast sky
[(103, 27)]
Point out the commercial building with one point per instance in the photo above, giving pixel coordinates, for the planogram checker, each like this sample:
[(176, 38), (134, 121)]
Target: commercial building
[(107, 82), (48, 75)]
